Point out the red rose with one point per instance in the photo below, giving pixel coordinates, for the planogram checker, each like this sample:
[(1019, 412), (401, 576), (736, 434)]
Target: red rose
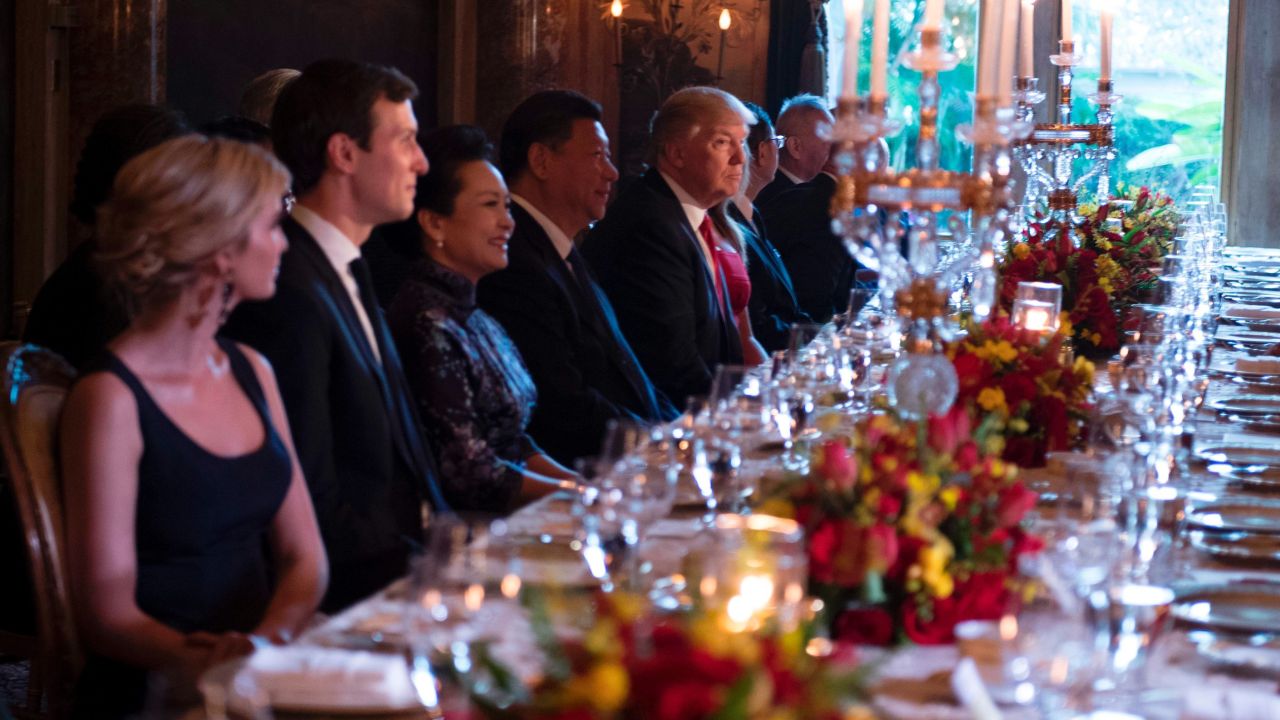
[(983, 596), (1014, 503), (967, 456), (1024, 451), (838, 554), (939, 629), (889, 507), (882, 547), (864, 626), (946, 432), (1018, 388), (838, 466)]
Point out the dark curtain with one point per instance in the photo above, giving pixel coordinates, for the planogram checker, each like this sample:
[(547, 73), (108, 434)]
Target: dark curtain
[(797, 50)]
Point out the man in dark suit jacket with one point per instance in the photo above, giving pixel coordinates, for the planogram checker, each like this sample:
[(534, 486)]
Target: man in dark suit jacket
[(821, 269), (347, 132), (773, 307), (653, 251), (805, 124), (555, 156)]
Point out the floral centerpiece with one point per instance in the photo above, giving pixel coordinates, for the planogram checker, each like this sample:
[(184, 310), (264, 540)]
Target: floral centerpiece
[(1023, 388), (912, 527), (629, 664), (1121, 241)]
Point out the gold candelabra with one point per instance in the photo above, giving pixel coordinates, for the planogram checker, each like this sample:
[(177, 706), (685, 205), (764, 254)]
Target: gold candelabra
[(1061, 143)]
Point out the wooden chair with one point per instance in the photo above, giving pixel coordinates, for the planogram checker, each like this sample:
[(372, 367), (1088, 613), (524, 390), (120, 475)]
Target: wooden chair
[(34, 384)]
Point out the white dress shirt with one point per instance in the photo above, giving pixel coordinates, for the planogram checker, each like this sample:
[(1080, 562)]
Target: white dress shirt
[(340, 250), (562, 242), (695, 214), (790, 176)]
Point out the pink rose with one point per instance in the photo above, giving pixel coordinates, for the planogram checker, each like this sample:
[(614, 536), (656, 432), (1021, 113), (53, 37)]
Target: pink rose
[(838, 466)]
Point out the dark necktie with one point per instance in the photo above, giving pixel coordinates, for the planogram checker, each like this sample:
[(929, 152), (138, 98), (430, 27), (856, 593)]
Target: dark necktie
[(404, 418), (603, 319)]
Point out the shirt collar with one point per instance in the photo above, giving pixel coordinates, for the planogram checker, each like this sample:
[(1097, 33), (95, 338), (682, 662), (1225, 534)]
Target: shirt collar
[(789, 175), (562, 242), (692, 211), (337, 247)]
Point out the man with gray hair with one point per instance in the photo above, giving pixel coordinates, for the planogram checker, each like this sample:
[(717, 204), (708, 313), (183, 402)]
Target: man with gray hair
[(806, 124), (653, 253)]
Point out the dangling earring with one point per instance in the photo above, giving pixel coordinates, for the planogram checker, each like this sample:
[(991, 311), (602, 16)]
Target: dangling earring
[(228, 289), (439, 244)]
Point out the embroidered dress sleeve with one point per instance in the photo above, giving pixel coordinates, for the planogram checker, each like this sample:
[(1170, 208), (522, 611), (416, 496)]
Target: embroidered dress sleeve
[(446, 374)]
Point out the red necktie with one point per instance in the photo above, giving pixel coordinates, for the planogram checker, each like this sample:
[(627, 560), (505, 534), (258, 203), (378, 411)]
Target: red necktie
[(710, 239)]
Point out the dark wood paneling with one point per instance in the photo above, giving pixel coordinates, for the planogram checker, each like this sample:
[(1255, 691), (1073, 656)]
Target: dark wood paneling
[(7, 106), (215, 48)]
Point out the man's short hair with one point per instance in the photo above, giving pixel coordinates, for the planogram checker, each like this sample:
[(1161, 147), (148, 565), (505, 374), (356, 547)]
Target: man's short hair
[(330, 96), (259, 96), (545, 117), (238, 127), (684, 113), (761, 131), (799, 111)]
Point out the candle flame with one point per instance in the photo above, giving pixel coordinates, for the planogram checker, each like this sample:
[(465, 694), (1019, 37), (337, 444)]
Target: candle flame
[(510, 586), (473, 597), (616, 8), (1008, 628), (725, 19)]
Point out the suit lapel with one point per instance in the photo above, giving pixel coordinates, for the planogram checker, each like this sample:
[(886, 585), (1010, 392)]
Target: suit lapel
[(309, 251)]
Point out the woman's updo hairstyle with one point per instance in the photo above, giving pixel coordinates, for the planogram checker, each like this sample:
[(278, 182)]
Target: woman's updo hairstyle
[(448, 149), (176, 205)]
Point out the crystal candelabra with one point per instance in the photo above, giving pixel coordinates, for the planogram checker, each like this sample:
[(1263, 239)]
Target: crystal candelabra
[(914, 278), (1058, 145)]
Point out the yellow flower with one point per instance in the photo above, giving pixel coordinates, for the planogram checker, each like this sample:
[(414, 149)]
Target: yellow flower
[(604, 687), (1084, 369), (933, 568), (1006, 352), (602, 639), (1064, 324), (921, 484), (1103, 244), (1021, 250), (1018, 425), (949, 496), (992, 400), (777, 507)]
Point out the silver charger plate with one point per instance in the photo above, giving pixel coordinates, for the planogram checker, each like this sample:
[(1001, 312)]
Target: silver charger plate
[(1238, 547), (1236, 515), (1238, 607), (1241, 456), (1247, 406)]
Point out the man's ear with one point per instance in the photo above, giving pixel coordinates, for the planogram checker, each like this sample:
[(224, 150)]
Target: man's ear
[(539, 160), (792, 147), (674, 152), (341, 153)]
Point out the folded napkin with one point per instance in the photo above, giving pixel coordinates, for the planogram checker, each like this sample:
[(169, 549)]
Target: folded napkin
[(969, 688), (1259, 365), (1210, 702), (300, 677), (1251, 312)]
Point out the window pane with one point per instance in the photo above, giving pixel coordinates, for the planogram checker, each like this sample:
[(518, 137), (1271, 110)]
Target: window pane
[(954, 106), (1169, 61)]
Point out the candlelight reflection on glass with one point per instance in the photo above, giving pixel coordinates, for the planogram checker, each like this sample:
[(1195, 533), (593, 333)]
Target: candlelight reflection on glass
[(1036, 306), (757, 574)]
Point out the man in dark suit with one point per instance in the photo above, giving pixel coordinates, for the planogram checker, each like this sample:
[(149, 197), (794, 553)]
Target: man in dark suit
[(654, 250), (773, 307), (821, 269), (805, 124), (555, 156), (346, 131)]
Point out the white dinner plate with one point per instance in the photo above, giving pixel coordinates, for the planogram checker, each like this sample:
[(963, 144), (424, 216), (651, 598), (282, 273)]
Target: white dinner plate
[(1237, 515), (1241, 455), (1248, 406)]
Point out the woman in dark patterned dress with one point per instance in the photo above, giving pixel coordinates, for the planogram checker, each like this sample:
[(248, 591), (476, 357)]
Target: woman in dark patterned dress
[(471, 386)]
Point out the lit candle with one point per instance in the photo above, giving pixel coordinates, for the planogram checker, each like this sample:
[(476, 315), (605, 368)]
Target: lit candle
[(725, 21), (1105, 34), (1035, 318), (1027, 62), (1008, 38), (852, 41), (988, 47), (1066, 20), (616, 11), (880, 49), (932, 15), (1008, 628)]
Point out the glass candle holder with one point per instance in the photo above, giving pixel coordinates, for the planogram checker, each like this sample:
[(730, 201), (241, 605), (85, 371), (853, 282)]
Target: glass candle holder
[(1036, 306)]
